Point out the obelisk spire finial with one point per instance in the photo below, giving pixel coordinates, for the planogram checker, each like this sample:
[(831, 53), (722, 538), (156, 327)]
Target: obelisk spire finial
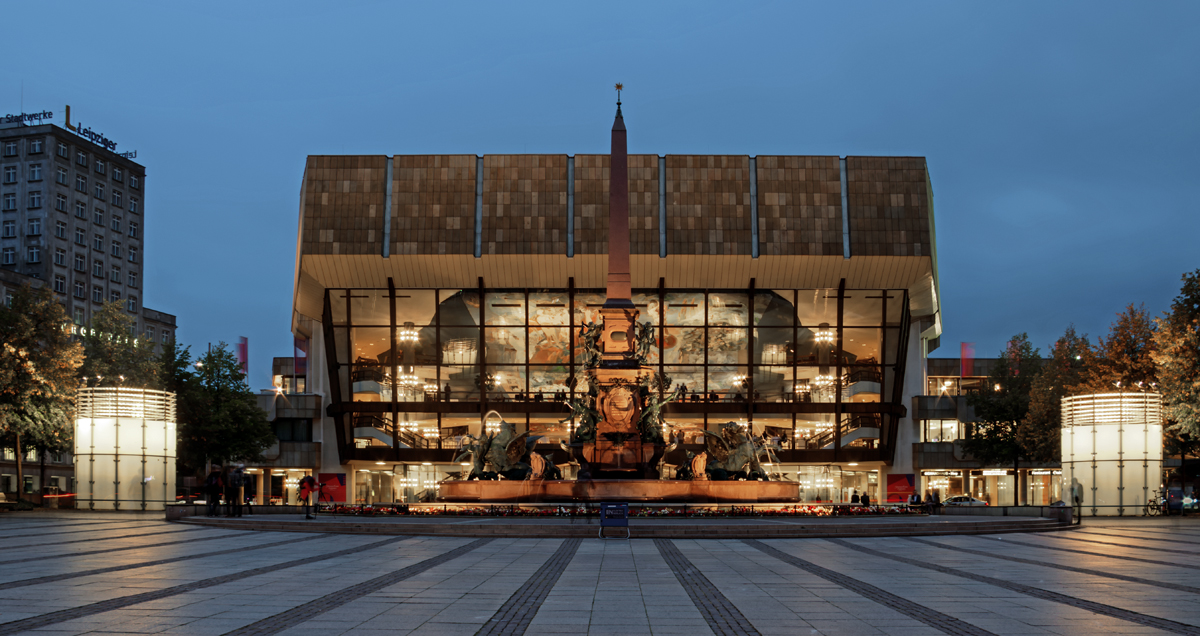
[(618, 215)]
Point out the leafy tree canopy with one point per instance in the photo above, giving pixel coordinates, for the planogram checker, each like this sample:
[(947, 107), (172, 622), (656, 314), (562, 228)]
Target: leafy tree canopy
[(1177, 353), (1122, 361), (1040, 435), (1002, 409), (115, 354)]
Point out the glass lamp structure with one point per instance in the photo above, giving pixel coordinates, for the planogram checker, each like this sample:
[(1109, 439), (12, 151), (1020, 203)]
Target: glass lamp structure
[(1112, 451), (125, 448)]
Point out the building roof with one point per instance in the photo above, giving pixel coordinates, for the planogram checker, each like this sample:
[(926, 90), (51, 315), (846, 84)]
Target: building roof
[(526, 237)]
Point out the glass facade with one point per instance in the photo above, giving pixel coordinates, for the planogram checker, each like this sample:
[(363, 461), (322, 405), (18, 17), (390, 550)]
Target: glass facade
[(418, 367)]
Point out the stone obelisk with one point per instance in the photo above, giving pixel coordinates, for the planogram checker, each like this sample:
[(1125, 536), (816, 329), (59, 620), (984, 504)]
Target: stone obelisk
[(619, 450)]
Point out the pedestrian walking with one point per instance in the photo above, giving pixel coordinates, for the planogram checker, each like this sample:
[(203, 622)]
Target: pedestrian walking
[(237, 481), (308, 485), (212, 492)]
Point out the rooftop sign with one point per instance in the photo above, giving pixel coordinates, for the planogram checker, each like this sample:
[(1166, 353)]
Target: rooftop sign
[(28, 117)]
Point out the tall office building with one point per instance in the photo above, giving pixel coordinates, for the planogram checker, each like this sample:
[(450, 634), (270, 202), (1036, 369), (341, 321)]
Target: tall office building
[(72, 217)]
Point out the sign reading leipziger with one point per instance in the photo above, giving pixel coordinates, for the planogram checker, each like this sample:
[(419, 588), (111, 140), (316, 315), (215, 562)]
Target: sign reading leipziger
[(27, 117), (88, 133)]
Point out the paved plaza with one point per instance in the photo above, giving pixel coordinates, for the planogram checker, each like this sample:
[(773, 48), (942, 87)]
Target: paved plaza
[(79, 573)]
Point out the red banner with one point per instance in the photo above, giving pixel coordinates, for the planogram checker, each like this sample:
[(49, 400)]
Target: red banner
[(333, 487), (900, 487)]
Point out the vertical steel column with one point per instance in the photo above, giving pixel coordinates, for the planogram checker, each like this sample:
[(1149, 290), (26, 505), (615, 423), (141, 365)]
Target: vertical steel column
[(437, 367), (750, 366), (395, 369), (479, 358), (837, 377)]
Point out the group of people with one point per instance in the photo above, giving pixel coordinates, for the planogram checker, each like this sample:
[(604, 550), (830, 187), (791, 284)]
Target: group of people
[(233, 486), (861, 500), (932, 502)]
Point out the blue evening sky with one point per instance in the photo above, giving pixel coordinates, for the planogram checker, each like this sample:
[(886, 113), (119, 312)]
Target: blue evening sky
[(1061, 137)]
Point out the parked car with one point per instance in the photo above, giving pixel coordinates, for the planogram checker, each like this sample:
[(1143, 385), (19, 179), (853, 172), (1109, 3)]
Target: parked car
[(963, 500)]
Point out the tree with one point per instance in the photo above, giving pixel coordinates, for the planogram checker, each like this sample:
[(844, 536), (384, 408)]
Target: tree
[(1040, 434), (38, 362), (114, 353), (218, 416), (1177, 354), (1002, 409), (1122, 361)]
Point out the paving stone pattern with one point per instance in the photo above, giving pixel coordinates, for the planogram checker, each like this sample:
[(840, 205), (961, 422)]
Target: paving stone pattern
[(514, 617), (942, 622), (45, 620), (1029, 590), (723, 616), (105, 579), (312, 609)]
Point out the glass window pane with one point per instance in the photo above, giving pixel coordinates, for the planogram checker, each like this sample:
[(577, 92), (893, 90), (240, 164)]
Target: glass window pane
[(863, 308), (462, 382), (772, 345), (774, 308), (773, 384), (548, 308), (587, 307), (895, 306), (509, 381), (505, 345), (370, 307), (549, 345), (548, 426), (727, 346), (690, 378), (861, 345), (337, 306), (727, 309), (504, 308), (548, 381), (458, 307), (685, 308), (817, 306), (413, 305), (727, 383), (372, 359), (647, 305), (460, 346), (891, 345), (683, 346)]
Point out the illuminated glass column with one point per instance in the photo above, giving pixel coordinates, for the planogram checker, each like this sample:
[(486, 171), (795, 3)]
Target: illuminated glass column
[(125, 448), (1112, 451)]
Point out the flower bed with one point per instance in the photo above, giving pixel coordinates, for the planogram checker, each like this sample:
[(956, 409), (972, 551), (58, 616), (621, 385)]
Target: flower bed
[(800, 510)]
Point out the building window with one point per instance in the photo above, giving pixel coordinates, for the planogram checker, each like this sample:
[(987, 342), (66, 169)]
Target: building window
[(133, 204), (80, 263), (35, 146), (35, 254), (132, 279), (100, 167), (10, 229), (166, 337), (60, 230), (133, 229), (134, 182), (60, 176), (35, 199), (98, 242), (116, 223), (10, 202), (97, 294), (117, 174), (98, 216), (116, 198), (35, 172), (116, 249), (80, 291), (133, 255), (80, 236), (81, 209), (60, 203), (115, 274), (150, 334), (35, 227), (81, 183), (10, 174), (81, 158), (98, 269), (63, 151), (60, 256), (79, 310), (131, 304), (10, 149), (114, 296), (9, 256), (100, 191), (60, 284)]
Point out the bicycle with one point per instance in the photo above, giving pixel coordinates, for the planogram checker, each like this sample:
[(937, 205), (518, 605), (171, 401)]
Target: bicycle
[(1155, 505)]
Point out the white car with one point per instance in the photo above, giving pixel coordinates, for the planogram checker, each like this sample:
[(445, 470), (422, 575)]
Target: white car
[(963, 500)]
